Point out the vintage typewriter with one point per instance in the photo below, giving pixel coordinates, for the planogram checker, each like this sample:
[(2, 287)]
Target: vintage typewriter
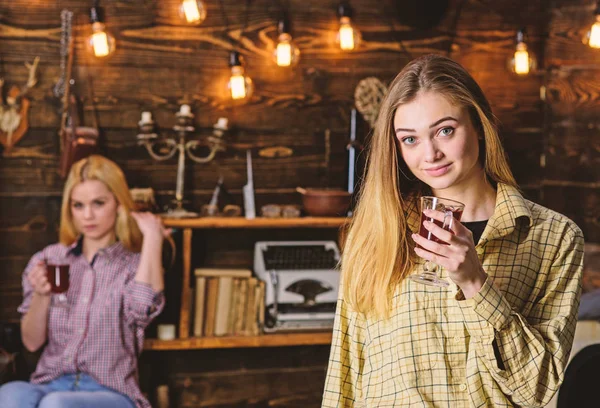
[(301, 283)]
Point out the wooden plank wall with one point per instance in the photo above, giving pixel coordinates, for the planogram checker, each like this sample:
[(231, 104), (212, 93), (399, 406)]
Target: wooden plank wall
[(159, 64), (573, 91), (572, 145)]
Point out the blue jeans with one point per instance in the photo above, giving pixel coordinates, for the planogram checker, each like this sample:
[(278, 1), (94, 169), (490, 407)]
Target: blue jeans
[(68, 391)]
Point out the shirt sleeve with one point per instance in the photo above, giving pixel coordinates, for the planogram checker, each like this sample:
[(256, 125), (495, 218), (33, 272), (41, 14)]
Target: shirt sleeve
[(142, 303), (534, 348), (343, 383), (27, 288)]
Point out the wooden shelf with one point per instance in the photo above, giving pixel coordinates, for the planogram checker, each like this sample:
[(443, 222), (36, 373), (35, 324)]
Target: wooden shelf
[(241, 222), (265, 340), (188, 225)]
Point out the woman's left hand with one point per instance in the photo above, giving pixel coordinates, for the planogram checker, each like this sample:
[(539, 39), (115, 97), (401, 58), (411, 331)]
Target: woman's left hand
[(150, 225), (459, 257)]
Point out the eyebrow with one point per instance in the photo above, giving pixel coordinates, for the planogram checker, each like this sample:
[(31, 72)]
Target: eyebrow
[(93, 199), (434, 124)]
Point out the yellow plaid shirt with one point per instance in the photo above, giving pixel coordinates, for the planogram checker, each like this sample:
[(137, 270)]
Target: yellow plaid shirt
[(437, 350)]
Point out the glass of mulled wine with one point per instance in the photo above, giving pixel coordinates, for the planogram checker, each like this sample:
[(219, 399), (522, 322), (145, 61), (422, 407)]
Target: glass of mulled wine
[(452, 212), (58, 276)]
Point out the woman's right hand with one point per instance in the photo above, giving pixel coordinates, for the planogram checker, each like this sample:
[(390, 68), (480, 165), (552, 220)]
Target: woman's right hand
[(38, 279)]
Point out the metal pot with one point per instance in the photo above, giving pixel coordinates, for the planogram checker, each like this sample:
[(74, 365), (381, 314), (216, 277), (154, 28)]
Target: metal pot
[(325, 203)]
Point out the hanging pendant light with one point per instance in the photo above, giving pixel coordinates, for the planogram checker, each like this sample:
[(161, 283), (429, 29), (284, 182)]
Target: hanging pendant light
[(101, 43), (286, 52), (239, 86), (592, 36), (522, 62), (192, 12), (348, 37)]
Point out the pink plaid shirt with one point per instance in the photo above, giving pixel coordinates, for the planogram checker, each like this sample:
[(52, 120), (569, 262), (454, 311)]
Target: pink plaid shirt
[(101, 332)]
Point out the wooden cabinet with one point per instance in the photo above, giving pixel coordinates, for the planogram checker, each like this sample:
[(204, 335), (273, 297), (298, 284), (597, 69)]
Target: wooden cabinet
[(184, 341)]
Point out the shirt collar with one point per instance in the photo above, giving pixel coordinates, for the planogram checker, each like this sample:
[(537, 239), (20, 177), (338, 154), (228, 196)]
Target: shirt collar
[(76, 248), (510, 207)]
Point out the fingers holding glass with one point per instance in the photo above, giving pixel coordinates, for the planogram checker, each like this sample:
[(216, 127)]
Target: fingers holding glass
[(436, 230)]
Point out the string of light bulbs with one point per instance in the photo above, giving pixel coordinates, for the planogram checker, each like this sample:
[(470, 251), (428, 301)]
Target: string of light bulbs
[(101, 43)]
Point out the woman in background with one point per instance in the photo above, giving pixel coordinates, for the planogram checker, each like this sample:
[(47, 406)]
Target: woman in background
[(92, 342), (501, 333)]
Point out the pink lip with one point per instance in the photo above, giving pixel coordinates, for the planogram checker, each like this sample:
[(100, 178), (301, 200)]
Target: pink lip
[(438, 171), (89, 227)]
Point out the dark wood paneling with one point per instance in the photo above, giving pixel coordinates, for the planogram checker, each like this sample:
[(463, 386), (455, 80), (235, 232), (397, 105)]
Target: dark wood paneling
[(573, 152), (244, 377), (235, 388), (574, 93), (578, 202), (569, 21)]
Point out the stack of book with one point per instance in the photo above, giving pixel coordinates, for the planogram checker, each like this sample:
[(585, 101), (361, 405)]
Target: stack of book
[(228, 302)]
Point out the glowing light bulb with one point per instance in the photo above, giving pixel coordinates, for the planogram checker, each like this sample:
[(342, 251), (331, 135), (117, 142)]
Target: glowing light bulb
[(347, 35), (286, 53), (192, 11), (592, 36), (102, 44), (522, 62), (239, 86), (521, 59)]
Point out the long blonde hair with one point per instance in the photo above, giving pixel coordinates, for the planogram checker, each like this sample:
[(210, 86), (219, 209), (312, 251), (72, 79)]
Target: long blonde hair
[(377, 252), (102, 169)]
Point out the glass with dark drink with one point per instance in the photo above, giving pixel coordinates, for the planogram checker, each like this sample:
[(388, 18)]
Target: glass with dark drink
[(452, 211), (58, 277)]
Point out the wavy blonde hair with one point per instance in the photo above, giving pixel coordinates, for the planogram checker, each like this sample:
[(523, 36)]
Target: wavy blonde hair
[(102, 169), (378, 249)]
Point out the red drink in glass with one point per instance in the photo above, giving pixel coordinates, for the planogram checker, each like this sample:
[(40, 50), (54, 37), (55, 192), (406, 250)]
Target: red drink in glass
[(453, 211), (58, 276), (456, 214)]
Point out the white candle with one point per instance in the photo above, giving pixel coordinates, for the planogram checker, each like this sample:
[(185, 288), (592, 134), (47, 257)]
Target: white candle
[(185, 110), (166, 331), (146, 117), (221, 123)]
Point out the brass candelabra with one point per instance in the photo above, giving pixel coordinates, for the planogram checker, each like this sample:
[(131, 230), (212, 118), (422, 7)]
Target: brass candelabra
[(180, 143)]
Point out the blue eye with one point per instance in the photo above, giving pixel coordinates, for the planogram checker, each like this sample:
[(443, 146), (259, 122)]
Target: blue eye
[(447, 131), (409, 140)]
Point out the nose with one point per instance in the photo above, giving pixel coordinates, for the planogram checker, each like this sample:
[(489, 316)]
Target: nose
[(87, 212), (432, 153)]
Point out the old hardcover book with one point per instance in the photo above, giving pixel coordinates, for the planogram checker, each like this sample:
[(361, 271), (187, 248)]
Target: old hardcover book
[(199, 302), (250, 315), (234, 299), (223, 305), (212, 294), (241, 304)]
